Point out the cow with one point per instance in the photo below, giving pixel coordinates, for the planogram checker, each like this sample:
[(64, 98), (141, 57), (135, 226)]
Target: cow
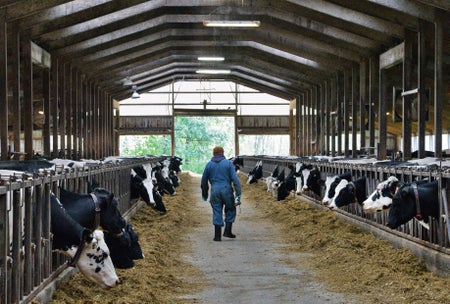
[(99, 208), (255, 174), (238, 162), (271, 178), (279, 187), (331, 182), (85, 247), (418, 200), (313, 182), (290, 180), (349, 192), (145, 188), (381, 197)]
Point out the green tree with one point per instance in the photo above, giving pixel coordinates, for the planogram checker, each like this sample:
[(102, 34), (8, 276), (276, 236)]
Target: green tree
[(195, 137)]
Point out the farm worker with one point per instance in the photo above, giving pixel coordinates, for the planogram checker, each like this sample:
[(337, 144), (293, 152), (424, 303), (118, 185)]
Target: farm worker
[(221, 175)]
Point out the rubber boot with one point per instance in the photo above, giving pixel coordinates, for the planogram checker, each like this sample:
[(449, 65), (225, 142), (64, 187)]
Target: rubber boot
[(227, 231), (217, 233)]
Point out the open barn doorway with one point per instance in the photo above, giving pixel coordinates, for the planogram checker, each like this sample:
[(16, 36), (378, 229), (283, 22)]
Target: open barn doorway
[(196, 136)]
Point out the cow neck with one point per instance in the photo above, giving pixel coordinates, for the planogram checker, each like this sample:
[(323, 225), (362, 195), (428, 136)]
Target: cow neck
[(355, 199), (416, 196), (97, 209), (73, 262)]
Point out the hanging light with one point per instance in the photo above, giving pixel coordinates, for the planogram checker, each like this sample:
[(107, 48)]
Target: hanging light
[(135, 93)]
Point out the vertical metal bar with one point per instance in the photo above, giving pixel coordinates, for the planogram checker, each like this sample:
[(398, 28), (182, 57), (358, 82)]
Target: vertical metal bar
[(37, 234), (28, 270), (333, 105), (340, 100), (75, 114), (373, 89), (17, 275)]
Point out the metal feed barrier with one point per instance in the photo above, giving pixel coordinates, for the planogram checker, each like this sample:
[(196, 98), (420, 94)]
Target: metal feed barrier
[(27, 263), (431, 245)]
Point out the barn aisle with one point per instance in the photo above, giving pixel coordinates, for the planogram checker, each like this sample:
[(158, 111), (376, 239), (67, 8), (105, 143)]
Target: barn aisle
[(252, 268)]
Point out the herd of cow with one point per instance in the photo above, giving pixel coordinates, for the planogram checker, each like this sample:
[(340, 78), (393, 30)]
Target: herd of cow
[(403, 201), (88, 227)]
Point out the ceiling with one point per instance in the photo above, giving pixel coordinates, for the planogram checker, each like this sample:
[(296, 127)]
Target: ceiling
[(300, 43)]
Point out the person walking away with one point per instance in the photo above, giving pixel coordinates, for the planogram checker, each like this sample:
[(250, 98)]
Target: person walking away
[(220, 174)]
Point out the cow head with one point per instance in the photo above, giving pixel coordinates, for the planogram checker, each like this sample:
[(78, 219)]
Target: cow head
[(381, 198), (111, 219), (341, 185), (94, 261), (255, 174), (404, 208), (353, 192), (313, 182)]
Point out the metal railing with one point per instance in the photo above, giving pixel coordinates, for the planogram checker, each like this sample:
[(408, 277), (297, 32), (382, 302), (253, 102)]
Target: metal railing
[(436, 237), (27, 262)]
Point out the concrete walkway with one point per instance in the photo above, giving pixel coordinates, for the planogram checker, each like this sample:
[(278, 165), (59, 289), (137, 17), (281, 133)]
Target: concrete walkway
[(252, 268)]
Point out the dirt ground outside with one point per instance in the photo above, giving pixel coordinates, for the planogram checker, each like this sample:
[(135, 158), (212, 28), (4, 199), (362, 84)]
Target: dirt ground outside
[(285, 252)]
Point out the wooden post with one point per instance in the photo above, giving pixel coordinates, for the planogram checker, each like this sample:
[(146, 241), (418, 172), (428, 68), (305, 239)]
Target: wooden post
[(46, 109), (27, 81), (55, 91), (407, 99), (363, 100), (3, 87), (354, 101), (422, 98), (382, 120), (438, 83)]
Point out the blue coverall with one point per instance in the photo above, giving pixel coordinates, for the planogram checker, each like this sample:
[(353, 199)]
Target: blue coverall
[(220, 173)]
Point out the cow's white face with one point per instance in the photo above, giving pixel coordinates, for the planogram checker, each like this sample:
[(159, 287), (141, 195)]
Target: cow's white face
[(148, 184), (95, 262), (381, 198), (328, 181), (339, 187), (305, 173), (269, 181), (299, 185)]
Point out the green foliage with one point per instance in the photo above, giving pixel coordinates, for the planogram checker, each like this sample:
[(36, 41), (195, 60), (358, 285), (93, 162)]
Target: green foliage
[(145, 145), (195, 137)]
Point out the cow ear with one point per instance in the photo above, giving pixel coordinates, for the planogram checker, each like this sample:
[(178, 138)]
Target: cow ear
[(87, 235), (110, 196)]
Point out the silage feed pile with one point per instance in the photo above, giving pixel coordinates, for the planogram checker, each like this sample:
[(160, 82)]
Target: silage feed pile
[(337, 254)]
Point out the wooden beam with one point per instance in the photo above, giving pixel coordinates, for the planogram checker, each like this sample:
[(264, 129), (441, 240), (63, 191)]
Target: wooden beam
[(438, 82), (393, 56), (27, 81), (3, 87)]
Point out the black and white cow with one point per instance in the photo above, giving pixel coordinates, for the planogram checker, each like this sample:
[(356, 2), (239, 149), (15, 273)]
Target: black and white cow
[(87, 248), (146, 188), (255, 174), (381, 198), (238, 162), (349, 192), (331, 182), (100, 208), (271, 178), (313, 182), (279, 187), (418, 200), (290, 180)]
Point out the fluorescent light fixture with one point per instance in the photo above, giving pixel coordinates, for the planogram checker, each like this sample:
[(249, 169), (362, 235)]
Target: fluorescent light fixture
[(211, 58), (41, 112), (210, 71), (231, 23)]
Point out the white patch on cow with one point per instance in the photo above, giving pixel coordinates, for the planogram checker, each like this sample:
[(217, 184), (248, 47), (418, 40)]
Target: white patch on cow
[(305, 173), (339, 187), (371, 205), (269, 182), (148, 184), (275, 185), (328, 181), (298, 185), (95, 262)]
